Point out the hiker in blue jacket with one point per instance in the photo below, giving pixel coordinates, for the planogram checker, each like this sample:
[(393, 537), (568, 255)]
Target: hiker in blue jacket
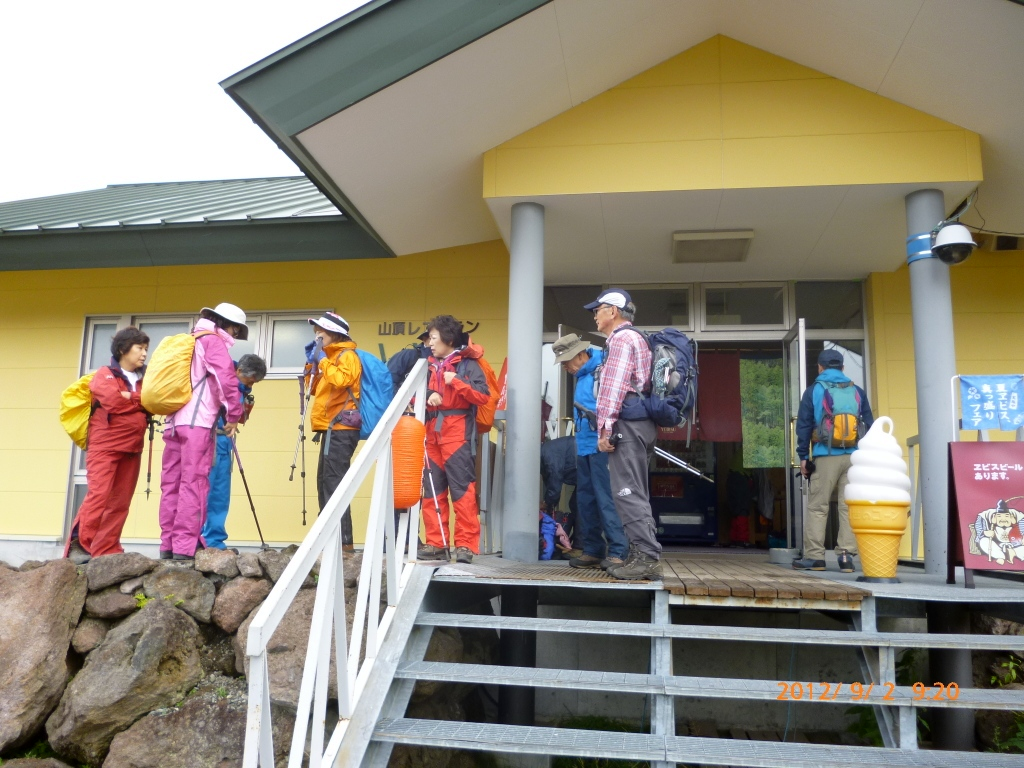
[(604, 540), (249, 369), (831, 405)]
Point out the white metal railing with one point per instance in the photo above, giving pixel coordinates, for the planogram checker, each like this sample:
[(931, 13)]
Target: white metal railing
[(382, 548)]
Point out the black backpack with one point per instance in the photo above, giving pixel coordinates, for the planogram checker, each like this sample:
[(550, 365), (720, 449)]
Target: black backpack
[(671, 397)]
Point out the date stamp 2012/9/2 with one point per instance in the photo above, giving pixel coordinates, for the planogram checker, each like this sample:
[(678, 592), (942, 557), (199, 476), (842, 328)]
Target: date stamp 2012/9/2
[(795, 691)]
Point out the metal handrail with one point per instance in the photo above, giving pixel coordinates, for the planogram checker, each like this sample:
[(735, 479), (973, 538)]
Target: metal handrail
[(382, 548)]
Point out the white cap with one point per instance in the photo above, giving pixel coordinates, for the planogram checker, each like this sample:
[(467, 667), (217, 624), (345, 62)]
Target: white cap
[(232, 314)]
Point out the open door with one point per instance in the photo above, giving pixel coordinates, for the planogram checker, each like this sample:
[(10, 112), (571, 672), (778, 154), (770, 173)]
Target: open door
[(794, 357)]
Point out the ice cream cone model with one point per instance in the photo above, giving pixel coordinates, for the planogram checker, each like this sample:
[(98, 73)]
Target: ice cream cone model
[(878, 495)]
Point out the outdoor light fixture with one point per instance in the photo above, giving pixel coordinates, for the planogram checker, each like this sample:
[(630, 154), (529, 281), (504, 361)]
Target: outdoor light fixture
[(711, 246)]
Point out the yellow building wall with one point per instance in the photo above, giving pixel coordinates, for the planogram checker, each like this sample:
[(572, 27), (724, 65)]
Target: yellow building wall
[(42, 320), (725, 115), (988, 323)]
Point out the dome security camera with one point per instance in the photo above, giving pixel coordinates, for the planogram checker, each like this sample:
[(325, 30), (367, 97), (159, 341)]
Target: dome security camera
[(953, 243)]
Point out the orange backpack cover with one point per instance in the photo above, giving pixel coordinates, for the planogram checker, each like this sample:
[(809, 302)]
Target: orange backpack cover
[(485, 412)]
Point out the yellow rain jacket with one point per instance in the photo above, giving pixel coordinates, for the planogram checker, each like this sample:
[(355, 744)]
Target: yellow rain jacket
[(335, 385)]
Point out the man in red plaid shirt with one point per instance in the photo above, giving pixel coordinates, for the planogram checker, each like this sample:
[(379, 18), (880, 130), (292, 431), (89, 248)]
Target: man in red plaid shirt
[(626, 431)]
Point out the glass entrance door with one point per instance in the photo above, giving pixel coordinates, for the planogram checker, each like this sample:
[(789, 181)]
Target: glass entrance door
[(794, 356)]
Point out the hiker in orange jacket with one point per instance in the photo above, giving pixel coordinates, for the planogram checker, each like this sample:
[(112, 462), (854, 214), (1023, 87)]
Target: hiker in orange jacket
[(334, 416), (114, 456), (455, 388)]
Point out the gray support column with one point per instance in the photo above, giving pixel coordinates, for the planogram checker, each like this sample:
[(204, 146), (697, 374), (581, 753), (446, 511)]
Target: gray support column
[(525, 336), (934, 365), (931, 307)]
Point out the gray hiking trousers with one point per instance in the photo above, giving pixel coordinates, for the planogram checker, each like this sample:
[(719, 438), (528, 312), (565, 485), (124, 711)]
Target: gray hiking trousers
[(628, 467)]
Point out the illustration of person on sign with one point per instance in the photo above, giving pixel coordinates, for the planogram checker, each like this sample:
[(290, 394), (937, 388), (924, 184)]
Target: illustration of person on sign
[(999, 533)]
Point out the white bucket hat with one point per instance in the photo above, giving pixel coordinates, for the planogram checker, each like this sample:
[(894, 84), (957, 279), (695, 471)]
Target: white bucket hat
[(232, 314)]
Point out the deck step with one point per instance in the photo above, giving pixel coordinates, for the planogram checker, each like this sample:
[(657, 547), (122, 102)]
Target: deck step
[(705, 687), (690, 750), (740, 634)]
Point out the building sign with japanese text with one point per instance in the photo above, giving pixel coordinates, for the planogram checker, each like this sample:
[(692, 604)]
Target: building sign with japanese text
[(992, 402)]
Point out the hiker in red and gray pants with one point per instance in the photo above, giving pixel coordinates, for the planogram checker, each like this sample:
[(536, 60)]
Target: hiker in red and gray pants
[(455, 387), (116, 430), (190, 434)]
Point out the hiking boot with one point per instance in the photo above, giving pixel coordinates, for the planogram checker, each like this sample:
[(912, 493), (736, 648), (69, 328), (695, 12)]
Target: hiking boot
[(463, 555), (609, 561), (77, 553), (166, 554), (432, 553), (845, 561), (585, 561), (806, 564), (180, 558), (638, 566)]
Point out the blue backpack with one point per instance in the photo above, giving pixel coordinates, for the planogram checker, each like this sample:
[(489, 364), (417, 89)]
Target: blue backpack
[(672, 396), (376, 389)]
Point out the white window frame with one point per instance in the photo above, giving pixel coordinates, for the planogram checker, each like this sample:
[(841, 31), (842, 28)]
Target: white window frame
[(687, 288), (783, 287)]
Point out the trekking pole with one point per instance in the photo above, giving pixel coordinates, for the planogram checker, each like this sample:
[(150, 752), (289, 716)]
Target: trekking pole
[(245, 482), (149, 466), (437, 509), (304, 394)]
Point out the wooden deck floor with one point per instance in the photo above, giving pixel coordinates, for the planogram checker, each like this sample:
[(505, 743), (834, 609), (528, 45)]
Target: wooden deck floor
[(729, 580)]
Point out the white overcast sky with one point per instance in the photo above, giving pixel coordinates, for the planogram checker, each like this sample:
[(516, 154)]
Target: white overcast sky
[(100, 92)]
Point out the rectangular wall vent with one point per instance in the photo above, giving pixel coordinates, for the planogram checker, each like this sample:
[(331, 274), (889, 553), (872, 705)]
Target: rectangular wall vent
[(711, 246)]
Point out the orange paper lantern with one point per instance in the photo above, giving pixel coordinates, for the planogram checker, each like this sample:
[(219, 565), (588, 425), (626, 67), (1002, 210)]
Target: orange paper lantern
[(407, 458)]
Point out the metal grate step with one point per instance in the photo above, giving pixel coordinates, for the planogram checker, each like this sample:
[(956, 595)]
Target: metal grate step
[(741, 634), (704, 687), (691, 750)]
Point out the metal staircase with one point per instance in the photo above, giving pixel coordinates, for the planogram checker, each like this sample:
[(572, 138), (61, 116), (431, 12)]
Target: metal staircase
[(896, 706)]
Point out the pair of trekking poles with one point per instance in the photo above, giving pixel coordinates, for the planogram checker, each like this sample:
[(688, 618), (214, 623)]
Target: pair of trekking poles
[(241, 471), (300, 454)]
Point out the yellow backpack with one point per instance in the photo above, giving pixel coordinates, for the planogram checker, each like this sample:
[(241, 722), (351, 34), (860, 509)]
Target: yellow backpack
[(75, 410), (167, 385)]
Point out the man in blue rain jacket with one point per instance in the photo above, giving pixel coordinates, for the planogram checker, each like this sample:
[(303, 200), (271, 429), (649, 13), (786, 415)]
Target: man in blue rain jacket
[(249, 369), (604, 540)]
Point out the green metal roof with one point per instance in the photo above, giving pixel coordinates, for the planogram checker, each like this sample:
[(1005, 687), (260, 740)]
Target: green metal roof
[(194, 222), (352, 58), (189, 202)]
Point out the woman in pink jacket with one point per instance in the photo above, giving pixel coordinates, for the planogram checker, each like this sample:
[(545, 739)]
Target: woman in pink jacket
[(190, 434)]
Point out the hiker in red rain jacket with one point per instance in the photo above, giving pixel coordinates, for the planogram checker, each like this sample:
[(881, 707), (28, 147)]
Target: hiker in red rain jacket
[(455, 387), (114, 455)]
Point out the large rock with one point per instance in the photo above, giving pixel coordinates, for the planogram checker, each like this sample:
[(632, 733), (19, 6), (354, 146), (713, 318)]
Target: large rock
[(286, 651), (249, 566), (89, 634), (113, 569), (184, 588), (236, 600), (131, 586), (223, 562), (207, 730), (149, 661), (35, 762), (38, 613), (109, 603), (274, 563)]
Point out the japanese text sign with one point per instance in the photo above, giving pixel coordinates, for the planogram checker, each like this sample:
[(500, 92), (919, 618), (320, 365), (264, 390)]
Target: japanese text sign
[(987, 505), (992, 402)]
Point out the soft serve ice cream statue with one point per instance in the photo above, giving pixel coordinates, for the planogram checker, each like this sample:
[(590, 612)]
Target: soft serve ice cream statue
[(878, 495)]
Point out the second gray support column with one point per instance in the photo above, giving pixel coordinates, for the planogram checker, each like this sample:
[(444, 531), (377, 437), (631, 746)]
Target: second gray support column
[(931, 308), (525, 336)]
